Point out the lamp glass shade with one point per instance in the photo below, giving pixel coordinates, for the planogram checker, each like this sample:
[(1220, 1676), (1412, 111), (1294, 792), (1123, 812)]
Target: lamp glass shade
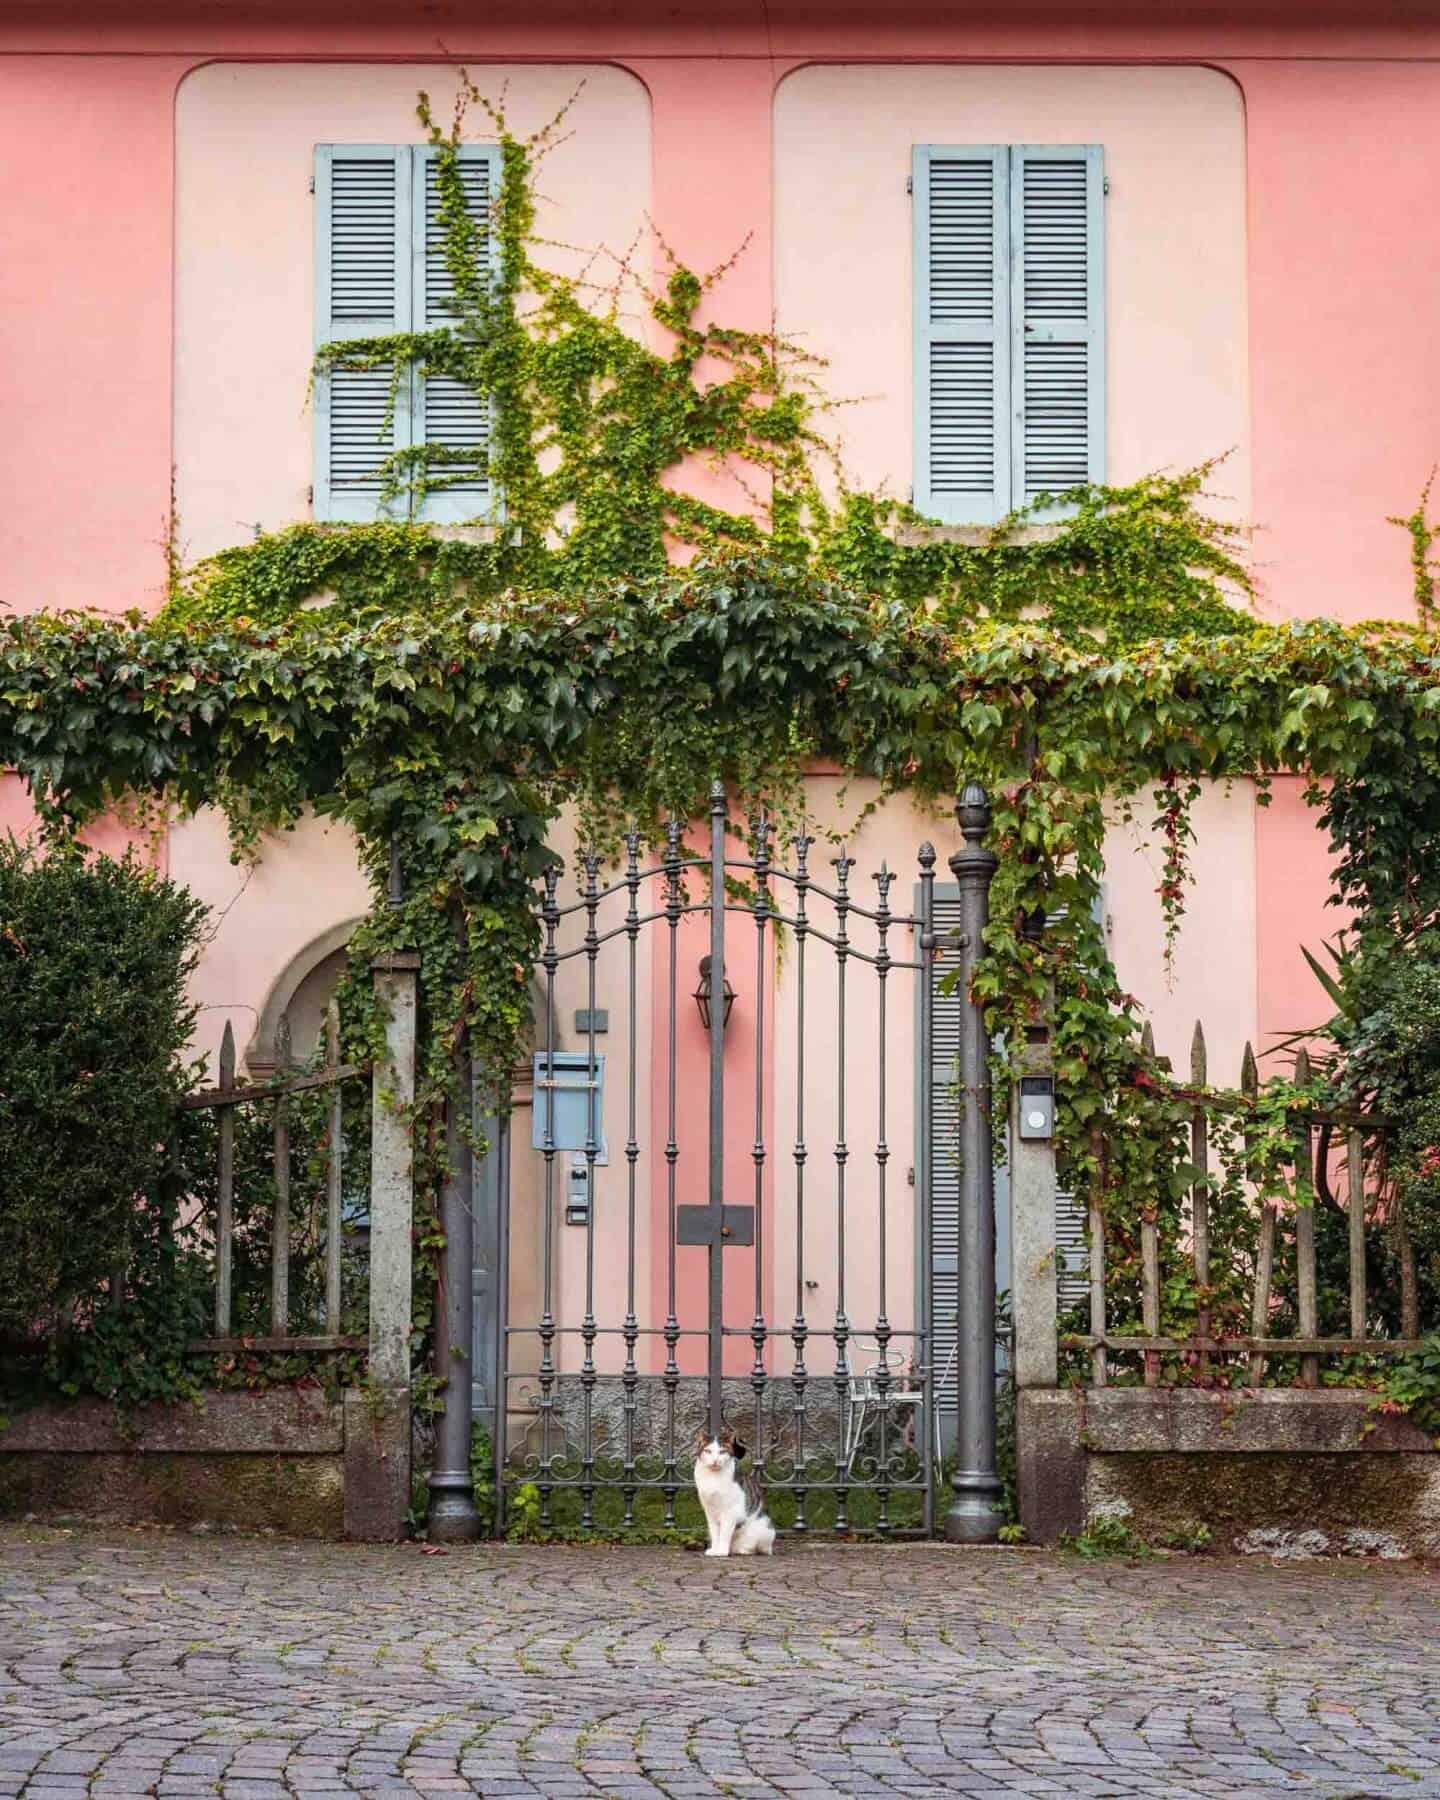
[(702, 996)]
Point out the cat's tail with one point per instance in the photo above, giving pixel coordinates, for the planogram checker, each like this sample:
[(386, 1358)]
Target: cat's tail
[(756, 1537)]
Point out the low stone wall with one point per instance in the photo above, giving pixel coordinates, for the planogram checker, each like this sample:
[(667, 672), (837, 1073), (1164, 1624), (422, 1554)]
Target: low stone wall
[(1259, 1470), (287, 1460)]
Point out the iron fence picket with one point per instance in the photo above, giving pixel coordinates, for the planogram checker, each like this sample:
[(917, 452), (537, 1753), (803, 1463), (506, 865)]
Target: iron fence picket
[(875, 1430)]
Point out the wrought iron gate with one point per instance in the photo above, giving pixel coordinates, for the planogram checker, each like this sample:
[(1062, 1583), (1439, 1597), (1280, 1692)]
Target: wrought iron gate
[(811, 1333)]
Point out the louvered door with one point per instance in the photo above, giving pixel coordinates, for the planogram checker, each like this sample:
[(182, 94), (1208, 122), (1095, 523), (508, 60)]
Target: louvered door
[(1057, 304), (448, 413), (941, 1071), (362, 256), (962, 332)]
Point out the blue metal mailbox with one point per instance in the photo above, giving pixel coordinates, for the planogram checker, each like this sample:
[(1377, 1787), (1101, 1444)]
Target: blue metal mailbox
[(572, 1083)]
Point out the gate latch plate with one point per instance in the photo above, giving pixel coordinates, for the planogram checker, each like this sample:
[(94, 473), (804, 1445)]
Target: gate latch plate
[(701, 1224)]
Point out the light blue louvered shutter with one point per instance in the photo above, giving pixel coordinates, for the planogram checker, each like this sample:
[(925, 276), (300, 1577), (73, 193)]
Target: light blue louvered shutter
[(962, 332), (943, 1175), (362, 276), (1057, 214), (447, 411)]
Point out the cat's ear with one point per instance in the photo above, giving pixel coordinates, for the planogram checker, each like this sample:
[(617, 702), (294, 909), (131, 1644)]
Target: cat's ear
[(737, 1449)]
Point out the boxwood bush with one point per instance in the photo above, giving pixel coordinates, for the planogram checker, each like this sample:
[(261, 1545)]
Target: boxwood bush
[(95, 1023)]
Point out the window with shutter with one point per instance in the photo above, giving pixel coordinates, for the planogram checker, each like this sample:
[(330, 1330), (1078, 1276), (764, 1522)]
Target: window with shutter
[(380, 269), (1009, 325)]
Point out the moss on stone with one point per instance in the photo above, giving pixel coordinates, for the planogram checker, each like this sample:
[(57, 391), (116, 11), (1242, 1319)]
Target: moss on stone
[(1237, 1493), (302, 1495)]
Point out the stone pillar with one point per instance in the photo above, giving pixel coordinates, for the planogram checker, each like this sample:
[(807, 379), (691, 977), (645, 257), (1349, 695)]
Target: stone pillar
[(1049, 1463), (377, 1463), (377, 1436), (392, 1201), (1050, 1460), (1033, 1271)]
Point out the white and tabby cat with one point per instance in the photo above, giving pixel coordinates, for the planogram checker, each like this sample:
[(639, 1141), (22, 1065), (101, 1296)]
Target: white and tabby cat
[(734, 1505)]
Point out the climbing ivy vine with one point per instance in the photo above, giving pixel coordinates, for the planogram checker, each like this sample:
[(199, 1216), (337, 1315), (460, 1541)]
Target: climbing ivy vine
[(452, 695)]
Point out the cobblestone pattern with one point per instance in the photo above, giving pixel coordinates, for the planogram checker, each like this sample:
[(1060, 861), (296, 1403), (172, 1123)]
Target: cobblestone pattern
[(140, 1663)]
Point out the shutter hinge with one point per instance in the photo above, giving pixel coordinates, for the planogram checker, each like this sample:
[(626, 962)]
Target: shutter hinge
[(1104, 184), (909, 184), (312, 184), (310, 495)]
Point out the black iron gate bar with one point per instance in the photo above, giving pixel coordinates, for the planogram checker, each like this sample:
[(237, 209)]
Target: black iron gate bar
[(716, 1223)]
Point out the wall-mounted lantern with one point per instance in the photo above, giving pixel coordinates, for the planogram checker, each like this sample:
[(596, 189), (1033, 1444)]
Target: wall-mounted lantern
[(702, 996)]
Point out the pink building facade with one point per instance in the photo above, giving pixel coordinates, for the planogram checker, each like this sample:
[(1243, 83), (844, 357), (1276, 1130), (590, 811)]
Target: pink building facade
[(1265, 288)]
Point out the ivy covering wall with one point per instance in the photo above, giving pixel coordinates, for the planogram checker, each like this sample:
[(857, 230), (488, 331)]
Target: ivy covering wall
[(451, 696)]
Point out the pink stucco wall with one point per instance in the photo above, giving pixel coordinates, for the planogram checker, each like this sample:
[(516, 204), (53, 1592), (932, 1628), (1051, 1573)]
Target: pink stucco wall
[(1341, 134), (1345, 266), (85, 328)]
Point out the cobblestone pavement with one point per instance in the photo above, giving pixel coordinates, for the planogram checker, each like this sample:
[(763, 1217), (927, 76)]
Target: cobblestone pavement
[(138, 1663)]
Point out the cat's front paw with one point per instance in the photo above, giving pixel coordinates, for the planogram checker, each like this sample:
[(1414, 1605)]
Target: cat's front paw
[(714, 1552)]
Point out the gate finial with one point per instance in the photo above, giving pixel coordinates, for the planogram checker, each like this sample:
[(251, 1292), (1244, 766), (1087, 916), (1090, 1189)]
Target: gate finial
[(973, 812), (974, 865)]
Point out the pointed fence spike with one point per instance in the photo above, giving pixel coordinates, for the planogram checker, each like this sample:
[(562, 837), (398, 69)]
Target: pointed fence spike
[(1306, 1281), (1199, 1191), (334, 1174), (1355, 1207), (1250, 1088), (1147, 1040), (225, 1189), (280, 1224)]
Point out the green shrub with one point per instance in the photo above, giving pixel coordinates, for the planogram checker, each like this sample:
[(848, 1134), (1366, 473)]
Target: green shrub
[(1106, 1535), (95, 954), (1412, 1386)]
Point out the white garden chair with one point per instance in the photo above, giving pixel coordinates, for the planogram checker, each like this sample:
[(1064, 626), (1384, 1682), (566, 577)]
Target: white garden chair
[(883, 1384)]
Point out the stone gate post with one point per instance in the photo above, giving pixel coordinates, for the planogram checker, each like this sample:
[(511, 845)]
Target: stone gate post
[(377, 1417), (1049, 1465), (1033, 1271)]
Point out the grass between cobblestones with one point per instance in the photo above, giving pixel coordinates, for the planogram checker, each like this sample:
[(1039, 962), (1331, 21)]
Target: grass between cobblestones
[(902, 1513)]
